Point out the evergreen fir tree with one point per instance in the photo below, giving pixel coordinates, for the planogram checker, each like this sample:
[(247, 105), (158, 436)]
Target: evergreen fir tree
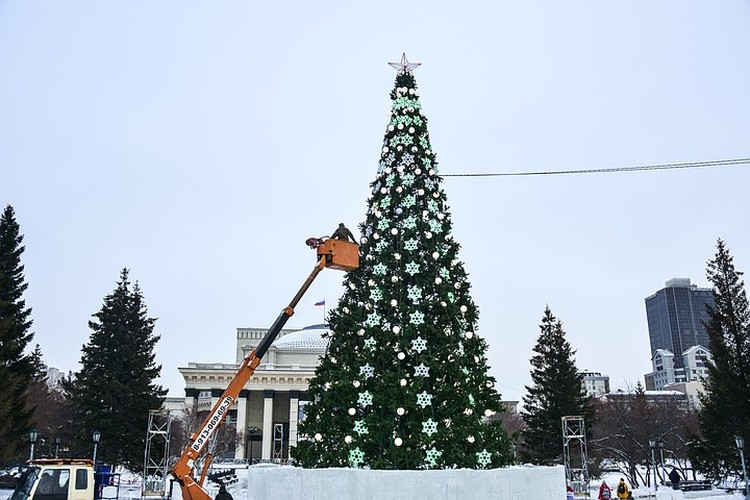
[(404, 383), (16, 369), (725, 400), (115, 389), (556, 391), (37, 365)]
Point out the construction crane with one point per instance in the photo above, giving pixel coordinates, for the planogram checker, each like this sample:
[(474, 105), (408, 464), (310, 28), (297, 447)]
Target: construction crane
[(337, 254)]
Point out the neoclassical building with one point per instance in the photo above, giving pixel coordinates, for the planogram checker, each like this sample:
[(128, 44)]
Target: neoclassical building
[(265, 416)]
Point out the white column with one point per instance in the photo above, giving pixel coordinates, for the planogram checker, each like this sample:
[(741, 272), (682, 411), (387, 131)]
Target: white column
[(293, 414), (239, 451), (267, 425)]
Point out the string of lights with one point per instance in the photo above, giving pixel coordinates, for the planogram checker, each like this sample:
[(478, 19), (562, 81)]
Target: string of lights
[(640, 168)]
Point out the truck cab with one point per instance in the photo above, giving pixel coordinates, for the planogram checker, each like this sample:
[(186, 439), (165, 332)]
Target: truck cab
[(64, 479)]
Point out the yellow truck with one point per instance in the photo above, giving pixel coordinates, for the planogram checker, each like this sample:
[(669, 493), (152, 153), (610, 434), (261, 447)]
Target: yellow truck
[(65, 479)]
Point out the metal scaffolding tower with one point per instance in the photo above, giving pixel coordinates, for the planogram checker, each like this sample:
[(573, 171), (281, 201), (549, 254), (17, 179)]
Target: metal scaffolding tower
[(156, 457), (576, 455)]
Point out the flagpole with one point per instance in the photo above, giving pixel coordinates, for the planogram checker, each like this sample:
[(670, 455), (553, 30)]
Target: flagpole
[(322, 303)]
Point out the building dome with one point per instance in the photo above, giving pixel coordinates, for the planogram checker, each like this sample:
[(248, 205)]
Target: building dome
[(310, 337)]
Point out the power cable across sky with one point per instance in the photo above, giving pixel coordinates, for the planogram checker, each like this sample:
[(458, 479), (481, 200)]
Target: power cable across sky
[(663, 166)]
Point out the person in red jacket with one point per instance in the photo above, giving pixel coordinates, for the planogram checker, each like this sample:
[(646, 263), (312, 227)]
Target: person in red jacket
[(604, 492)]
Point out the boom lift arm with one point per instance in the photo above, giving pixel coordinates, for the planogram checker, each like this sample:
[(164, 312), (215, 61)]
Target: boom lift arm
[(332, 253)]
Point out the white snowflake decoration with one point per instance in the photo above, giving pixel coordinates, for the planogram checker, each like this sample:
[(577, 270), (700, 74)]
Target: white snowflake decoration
[(436, 226), (365, 399), (379, 269), (356, 457), (424, 399), (419, 344), (429, 427), (408, 179), (433, 455), (421, 371), (432, 206), (407, 159), (373, 319), (366, 371), (384, 224), (376, 295), (483, 458), (360, 427), (410, 244), (409, 200), (416, 318), (410, 222), (370, 344), (412, 268), (414, 293), (382, 245)]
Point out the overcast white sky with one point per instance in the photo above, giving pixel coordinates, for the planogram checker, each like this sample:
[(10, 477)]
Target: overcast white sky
[(200, 143)]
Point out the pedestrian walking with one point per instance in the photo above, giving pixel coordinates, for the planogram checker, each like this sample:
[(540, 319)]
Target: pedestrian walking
[(674, 478), (622, 489)]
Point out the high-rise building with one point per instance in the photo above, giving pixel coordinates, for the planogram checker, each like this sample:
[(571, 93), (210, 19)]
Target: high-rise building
[(676, 318)]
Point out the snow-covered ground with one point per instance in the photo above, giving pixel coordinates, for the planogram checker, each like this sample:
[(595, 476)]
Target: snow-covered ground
[(523, 483), (664, 493)]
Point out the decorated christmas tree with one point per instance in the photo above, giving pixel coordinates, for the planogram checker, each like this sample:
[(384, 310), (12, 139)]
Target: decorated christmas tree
[(404, 383)]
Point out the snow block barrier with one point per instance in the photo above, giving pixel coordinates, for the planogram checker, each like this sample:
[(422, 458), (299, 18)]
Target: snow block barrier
[(291, 483)]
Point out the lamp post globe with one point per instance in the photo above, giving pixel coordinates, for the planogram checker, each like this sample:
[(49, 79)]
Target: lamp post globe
[(252, 431), (33, 436), (652, 445), (95, 437), (660, 445), (740, 442)]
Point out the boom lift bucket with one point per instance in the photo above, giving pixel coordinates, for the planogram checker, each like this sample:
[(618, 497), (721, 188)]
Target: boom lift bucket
[(339, 254)]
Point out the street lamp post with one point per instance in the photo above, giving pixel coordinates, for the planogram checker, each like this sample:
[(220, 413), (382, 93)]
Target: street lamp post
[(740, 442), (33, 436), (58, 440), (95, 437), (252, 431), (652, 445), (660, 444)]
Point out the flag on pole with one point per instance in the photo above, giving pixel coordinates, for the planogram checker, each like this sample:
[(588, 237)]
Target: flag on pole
[(321, 303)]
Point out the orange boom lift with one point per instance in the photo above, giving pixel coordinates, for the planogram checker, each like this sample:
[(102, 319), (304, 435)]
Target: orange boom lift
[(333, 253)]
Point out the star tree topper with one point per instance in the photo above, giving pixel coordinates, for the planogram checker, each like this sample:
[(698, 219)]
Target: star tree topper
[(404, 66)]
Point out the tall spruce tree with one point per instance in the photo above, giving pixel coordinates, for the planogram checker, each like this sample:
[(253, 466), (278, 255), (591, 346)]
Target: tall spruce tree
[(404, 383), (114, 390), (556, 391), (16, 370), (725, 401)]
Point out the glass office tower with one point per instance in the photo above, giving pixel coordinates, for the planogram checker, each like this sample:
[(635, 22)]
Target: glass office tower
[(676, 317)]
